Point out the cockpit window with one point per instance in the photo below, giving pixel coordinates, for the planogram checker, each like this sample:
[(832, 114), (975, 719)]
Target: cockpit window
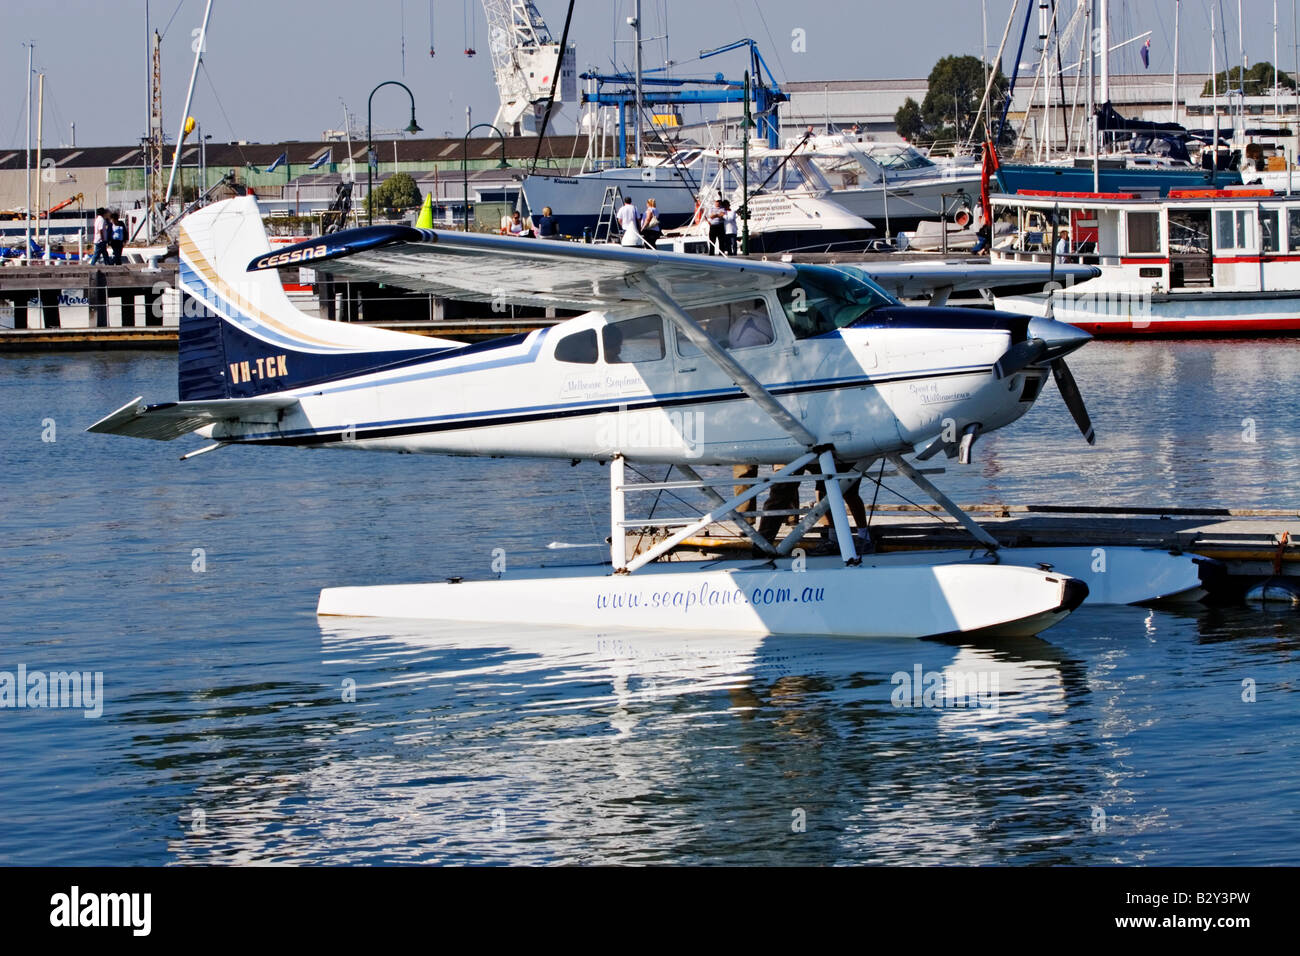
[(822, 299), (579, 348)]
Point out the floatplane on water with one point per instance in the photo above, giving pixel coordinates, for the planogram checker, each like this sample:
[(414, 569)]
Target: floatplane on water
[(812, 366)]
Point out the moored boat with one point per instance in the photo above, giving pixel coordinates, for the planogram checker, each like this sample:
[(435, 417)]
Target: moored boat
[(1197, 262)]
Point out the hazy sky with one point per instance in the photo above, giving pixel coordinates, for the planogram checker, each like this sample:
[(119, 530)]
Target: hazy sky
[(282, 69)]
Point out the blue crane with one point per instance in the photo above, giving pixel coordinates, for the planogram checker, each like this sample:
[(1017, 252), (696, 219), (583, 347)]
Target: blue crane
[(766, 92)]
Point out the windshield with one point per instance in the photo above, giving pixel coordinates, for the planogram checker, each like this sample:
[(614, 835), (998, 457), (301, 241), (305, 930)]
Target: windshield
[(899, 157), (822, 299)]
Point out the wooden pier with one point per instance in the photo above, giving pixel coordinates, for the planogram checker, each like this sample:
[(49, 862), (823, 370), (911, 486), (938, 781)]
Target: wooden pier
[(1251, 544)]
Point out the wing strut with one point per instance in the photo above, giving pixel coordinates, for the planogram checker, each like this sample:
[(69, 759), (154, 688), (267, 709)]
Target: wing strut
[(944, 502), (723, 359)]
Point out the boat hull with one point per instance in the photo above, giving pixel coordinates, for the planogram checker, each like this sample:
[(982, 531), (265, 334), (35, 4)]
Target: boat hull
[(575, 201), (1118, 314), (826, 598)]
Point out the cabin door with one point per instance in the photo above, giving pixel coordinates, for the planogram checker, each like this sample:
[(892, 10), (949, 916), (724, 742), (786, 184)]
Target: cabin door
[(1191, 262)]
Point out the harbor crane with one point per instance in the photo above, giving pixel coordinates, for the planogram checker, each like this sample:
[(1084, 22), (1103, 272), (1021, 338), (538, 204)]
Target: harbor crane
[(525, 58)]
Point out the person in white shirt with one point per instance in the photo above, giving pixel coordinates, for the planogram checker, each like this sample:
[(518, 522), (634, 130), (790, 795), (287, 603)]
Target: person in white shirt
[(730, 225), (629, 220)]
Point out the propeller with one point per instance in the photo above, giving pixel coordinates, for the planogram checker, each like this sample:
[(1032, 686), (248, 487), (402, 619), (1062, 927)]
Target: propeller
[(1073, 400), (1050, 340), (1018, 356)]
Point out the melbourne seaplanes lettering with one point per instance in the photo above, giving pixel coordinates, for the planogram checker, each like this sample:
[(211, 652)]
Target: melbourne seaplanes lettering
[(651, 428), (57, 690), (599, 386), (927, 393), (949, 688), (75, 909), (706, 595)]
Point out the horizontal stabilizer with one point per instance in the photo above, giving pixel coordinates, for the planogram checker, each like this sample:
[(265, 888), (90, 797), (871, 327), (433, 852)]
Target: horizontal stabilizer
[(172, 419)]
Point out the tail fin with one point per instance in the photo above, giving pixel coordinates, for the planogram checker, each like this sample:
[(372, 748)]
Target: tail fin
[(240, 336)]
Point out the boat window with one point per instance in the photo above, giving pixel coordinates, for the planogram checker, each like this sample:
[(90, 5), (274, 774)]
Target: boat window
[(1233, 228), (1268, 235), (1143, 232), (634, 340), (733, 325), (1189, 232), (579, 348), (1293, 229), (1223, 229), (822, 299)]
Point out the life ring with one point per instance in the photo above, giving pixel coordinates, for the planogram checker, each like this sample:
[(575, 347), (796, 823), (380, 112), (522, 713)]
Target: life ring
[(699, 214)]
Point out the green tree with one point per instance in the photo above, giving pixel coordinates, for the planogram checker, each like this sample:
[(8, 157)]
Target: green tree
[(909, 122), (955, 89), (1259, 80), (398, 191)]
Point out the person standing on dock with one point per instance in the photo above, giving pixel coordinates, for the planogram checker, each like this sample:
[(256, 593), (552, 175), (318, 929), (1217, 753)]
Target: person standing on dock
[(717, 228), (629, 220), (117, 236), (650, 228), (99, 236), (730, 226)]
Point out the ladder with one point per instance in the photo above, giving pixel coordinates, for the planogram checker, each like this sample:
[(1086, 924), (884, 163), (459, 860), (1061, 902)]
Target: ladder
[(608, 208)]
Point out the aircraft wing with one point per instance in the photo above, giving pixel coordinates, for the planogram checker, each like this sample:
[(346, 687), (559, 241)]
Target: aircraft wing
[(910, 280), (172, 419), (511, 270)]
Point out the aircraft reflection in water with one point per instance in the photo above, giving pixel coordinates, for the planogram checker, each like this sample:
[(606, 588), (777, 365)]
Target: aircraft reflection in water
[(545, 745)]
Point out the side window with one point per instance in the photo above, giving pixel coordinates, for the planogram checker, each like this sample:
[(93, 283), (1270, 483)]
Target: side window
[(1245, 228), (579, 348), (1143, 232), (1223, 238), (634, 340), (1269, 237), (733, 325), (1293, 230)]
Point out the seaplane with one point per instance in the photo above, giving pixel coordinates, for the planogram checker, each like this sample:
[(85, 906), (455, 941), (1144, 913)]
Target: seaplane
[(680, 360)]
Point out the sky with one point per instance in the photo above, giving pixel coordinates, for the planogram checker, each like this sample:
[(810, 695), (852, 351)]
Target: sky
[(284, 69)]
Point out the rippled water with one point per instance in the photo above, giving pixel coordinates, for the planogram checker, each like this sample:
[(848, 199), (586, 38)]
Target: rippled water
[(1119, 736)]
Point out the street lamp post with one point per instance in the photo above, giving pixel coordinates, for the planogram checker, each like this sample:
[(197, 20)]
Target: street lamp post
[(464, 163), (412, 127)]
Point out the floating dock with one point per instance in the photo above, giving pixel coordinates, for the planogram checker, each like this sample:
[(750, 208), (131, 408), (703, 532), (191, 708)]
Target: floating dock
[(1250, 544)]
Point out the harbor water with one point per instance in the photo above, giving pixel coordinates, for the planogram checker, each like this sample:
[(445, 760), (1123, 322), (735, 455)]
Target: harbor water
[(233, 726)]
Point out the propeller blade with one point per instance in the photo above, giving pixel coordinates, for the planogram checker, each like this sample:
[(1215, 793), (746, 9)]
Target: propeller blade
[(1018, 356), (1073, 400)]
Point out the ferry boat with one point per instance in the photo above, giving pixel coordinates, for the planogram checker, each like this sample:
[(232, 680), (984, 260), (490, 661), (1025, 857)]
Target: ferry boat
[(1197, 262)]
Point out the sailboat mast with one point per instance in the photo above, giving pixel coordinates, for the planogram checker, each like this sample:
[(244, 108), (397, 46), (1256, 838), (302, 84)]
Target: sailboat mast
[(1092, 105), (1214, 94), (27, 246), (1241, 85), (1103, 32), (199, 43), (1277, 103), (637, 110), (1173, 104), (40, 140)]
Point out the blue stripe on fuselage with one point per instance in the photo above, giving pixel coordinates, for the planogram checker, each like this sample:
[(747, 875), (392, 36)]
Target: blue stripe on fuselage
[(641, 401)]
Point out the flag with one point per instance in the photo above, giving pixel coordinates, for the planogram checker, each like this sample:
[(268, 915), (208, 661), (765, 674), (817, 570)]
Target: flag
[(279, 161), (1146, 54), (323, 158)]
